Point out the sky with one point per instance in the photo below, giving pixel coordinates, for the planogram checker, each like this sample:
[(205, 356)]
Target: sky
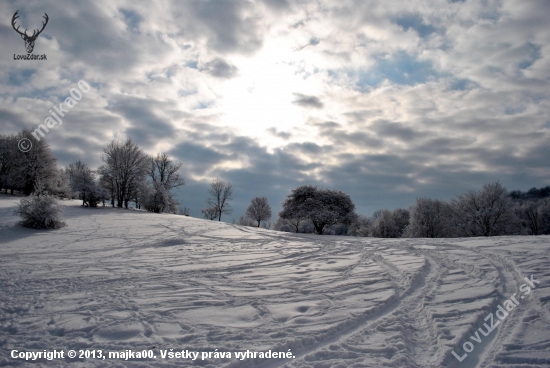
[(386, 101)]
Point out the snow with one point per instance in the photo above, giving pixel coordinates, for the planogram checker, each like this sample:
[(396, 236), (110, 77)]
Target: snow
[(117, 279)]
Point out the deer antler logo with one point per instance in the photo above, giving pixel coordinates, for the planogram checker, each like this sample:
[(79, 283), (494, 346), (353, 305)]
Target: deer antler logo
[(29, 40)]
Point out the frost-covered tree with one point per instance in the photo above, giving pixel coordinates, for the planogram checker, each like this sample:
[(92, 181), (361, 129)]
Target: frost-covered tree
[(81, 178), (125, 166), (107, 181), (259, 210), (323, 207), (163, 172), (430, 218), (488, 212), (8, 159), (83, 181), (26, 169), (221, 193), (390, 224), (158, 199), (535, 216), (361, 226), (61, 185), (210, 213)]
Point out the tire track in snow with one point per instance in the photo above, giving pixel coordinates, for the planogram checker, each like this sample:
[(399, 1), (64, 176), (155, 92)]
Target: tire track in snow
[(423, 283)]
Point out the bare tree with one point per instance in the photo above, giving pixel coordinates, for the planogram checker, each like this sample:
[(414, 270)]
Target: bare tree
[(164, 171), (220, 194), (163, 174), (125, 165), (390, 224), (535, 214), (81, 177), (485, 213), (430, 218), (259, 210)]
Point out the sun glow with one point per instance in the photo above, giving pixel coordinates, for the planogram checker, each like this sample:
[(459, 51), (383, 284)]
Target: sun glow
[(261, 96)]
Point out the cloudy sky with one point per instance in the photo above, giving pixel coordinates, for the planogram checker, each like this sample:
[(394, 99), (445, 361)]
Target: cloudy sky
[(387, 101)]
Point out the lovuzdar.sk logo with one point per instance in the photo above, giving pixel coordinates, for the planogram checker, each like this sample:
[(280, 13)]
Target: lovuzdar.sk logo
[(29, 40)]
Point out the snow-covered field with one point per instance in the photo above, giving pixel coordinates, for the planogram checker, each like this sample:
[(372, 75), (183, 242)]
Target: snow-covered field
[(116, 280)]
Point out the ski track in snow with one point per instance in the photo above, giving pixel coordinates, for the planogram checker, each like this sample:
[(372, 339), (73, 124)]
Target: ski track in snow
[(118, 279)]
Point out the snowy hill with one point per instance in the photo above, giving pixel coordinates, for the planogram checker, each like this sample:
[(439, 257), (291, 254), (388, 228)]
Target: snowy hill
[(118, 280)]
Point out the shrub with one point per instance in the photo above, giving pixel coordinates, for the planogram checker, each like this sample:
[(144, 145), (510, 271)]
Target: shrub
[(40, 212)]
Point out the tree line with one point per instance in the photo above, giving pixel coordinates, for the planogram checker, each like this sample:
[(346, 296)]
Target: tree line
[(130, 175), (490, 211), (127, 175)]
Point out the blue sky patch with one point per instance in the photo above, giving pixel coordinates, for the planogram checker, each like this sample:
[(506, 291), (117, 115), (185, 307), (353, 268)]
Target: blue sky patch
[(131, 18), (400, 68), (534, 55), (20, 77), (415, 22)]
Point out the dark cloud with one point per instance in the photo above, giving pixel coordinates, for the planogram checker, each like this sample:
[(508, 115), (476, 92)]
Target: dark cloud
[(220, 68), (147, 126), (463, 84), (396, 130), (278, 5), (227, 24), (307, 101), (280, 134)]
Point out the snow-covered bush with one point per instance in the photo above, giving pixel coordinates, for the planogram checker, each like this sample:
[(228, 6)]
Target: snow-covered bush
[(210, 213), (158, 200), (245, 221), (284, 225), (95, 194), (40, 212)]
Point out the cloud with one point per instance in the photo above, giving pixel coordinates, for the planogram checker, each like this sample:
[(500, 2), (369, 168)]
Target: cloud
[(307, 101), (220, 68), (425, 99)]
